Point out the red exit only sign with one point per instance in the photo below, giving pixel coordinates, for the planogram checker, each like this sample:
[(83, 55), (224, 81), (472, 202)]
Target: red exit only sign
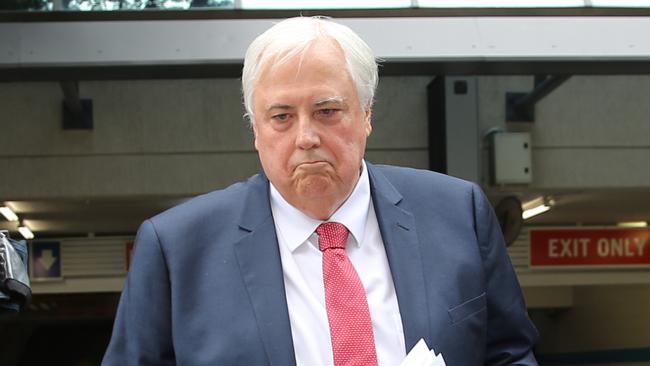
[(589, 247)]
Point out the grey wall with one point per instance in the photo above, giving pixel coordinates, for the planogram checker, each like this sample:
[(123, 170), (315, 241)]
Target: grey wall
[(182, 137), (591, 132), (150, 138), (165, 137)]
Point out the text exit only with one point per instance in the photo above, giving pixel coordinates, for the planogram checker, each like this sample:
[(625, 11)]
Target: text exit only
[(588, 247)]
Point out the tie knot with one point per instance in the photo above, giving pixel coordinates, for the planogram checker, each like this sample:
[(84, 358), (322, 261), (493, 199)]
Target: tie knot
[(332, 235)]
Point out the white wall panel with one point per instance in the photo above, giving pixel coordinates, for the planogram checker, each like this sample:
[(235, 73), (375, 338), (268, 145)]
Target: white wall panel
[(393, 39)]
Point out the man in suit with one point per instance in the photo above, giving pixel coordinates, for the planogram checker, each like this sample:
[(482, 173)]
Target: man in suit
[(323, 258)]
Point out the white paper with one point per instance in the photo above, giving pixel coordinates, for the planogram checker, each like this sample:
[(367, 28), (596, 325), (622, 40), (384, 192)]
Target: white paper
[(420, 355)]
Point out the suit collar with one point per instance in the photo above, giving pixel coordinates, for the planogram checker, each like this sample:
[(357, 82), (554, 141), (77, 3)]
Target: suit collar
[(398, 231), (379, 185), (261, 269), (256, 209)]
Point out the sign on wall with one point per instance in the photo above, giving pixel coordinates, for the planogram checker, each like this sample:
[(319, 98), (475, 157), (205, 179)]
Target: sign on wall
[(589, 247), (45, 260)]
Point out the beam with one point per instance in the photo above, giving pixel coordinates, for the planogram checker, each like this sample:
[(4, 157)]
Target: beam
[(77, 112), (520, 107), (417, 39)]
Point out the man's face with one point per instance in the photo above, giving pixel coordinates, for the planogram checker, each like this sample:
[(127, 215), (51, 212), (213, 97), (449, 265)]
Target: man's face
[(310, 130)]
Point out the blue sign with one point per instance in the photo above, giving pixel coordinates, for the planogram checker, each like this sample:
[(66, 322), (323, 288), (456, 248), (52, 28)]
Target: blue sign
[(46, 259)]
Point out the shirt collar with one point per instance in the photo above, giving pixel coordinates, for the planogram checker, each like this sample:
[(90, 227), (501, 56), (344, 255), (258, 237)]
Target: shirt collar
[(296, 227)]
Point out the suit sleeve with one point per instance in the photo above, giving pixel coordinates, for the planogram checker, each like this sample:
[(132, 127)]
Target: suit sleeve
[(510, 333), (142, 329)]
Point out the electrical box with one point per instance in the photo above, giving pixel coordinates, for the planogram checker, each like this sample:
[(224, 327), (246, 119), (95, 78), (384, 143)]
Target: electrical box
[(511, 158)]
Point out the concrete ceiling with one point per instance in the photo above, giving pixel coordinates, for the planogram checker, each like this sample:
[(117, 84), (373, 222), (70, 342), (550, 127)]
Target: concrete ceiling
[(123, 216), (593, 207), (83, 217), (597, 207)]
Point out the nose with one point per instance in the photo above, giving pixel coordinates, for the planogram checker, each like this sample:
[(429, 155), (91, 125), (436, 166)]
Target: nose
[(307, 137)]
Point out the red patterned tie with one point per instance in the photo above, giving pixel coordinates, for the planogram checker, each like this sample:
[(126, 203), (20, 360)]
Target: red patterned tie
[(353, 342)]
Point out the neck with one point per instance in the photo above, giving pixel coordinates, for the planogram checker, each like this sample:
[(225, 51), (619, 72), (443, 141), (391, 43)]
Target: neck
[(320, 209)]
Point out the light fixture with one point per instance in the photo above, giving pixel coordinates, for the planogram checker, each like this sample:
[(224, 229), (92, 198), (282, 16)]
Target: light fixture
[(8, 213), (633, 224), (535, 207), (25, 232)]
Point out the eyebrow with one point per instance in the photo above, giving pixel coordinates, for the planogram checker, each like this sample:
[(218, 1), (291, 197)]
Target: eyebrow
[(279, 106), (334, 99)]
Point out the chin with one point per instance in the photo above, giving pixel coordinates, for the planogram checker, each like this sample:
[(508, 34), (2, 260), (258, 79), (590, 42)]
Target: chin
[(315, 186)]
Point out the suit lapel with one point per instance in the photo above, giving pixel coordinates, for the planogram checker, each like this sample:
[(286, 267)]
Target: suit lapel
[(399, 234), (261, 269)]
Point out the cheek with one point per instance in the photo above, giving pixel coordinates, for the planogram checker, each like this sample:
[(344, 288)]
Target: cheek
[(274, 151), (349, 152), (357, 141)]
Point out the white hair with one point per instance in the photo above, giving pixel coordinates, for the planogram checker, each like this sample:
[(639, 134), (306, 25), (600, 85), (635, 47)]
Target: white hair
[(292, 37)]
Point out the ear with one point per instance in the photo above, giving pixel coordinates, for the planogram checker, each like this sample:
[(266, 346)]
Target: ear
[(255, 136), (367, 121)]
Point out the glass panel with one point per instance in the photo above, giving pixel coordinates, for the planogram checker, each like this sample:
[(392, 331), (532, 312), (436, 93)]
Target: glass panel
[(500, 3), (324, 4)]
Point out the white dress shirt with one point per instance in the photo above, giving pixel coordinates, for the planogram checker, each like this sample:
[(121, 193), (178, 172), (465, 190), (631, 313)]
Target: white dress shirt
[(303, 277)]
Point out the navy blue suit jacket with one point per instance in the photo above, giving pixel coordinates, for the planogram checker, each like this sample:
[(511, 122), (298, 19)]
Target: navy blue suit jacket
[(206, 284)]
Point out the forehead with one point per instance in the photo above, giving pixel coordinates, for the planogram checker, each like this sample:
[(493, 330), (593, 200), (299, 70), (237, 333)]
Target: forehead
[(321, 69), (278, 55)]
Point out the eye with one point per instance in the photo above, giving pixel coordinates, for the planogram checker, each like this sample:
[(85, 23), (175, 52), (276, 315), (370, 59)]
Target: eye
[(328, 112), (282, 117)]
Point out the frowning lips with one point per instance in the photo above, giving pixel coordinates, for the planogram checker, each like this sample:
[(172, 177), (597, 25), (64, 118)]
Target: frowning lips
[(311, 162)]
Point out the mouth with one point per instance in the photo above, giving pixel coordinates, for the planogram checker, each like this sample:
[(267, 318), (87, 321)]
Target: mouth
[(316, 164)]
